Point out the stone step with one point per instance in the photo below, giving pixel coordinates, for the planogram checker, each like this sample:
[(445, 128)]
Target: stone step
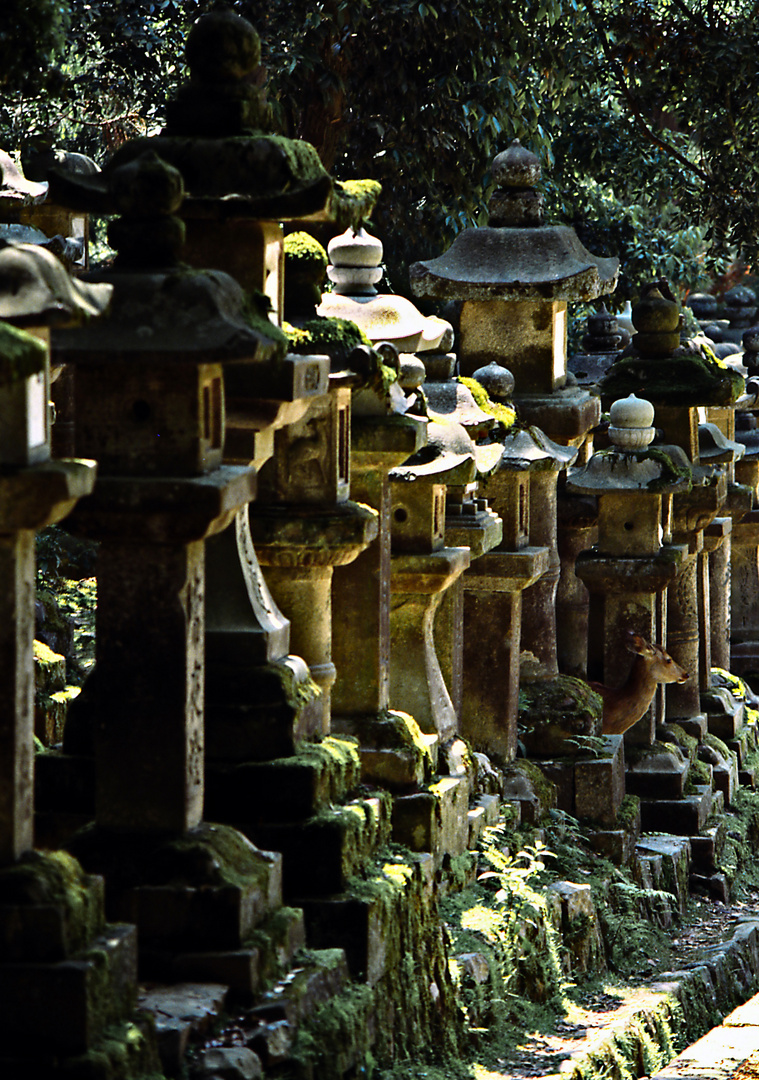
[(394, 752), (262, 958), (485, 812), (323, 852), (181, 1012), (205, 890), (663, 863), (681, 817), (434, 820), (333, 1037), (319, 976), (287, 789), (63, 1008), (708, 847), (369, 919)]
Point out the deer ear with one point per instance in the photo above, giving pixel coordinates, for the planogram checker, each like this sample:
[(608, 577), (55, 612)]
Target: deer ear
[(635, 642)]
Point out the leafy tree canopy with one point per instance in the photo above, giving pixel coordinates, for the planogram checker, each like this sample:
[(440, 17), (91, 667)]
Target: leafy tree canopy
[(644, 112)]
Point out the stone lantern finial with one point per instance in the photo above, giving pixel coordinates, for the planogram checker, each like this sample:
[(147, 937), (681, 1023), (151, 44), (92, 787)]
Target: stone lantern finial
[(147, 192), (656, 317), (631, 425), (223, 51), (515, 203)]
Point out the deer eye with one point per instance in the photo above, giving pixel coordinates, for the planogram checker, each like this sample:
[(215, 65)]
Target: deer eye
[(669, 659)]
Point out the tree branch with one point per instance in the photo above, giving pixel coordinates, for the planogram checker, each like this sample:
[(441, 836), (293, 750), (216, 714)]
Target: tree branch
[(693, 17), (632, 103)]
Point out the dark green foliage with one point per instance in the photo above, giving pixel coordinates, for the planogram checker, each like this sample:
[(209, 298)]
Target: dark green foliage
[(645, 115)]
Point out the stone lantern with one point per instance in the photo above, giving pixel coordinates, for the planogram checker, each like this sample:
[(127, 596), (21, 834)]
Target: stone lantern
[(678, 379), (54, 943), (601, 345), (630, 567), (515, 279), (241, 182), (162, 491)]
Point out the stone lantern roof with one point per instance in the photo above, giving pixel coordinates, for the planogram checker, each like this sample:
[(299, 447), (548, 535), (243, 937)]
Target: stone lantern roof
[(218, 137), (661, 369), (36, 290), (161, 307), (630, 464), (15, 189), (516, 257)]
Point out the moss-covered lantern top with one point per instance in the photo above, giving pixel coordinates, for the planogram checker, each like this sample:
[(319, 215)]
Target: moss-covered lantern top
[(663, 370), (516, 257), (149, 377), (219, 138)]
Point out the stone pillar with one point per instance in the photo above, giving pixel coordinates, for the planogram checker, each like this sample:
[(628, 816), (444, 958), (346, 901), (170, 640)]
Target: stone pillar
[(422, 569), (718, 545), (150, 408), (361, 589), (304, 525), (577, 531)]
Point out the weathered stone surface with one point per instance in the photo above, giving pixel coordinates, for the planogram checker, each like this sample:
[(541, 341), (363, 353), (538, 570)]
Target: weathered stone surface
[(682, 817), (320, 854), (179, 1012), (435, 820), (600, 783), (49, 908), (64, 1007), (286, 789), (658, 772), (669, 862), (228, 1063), (580, 928)]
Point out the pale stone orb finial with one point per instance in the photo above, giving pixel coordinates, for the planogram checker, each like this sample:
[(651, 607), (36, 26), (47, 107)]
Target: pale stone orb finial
[(632, 421), (355, 262)]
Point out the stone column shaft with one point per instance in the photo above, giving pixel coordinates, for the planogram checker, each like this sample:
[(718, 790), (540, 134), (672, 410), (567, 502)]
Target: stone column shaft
[(149, 728), (17, 700), (718, 540), (361, 627), (305, 593), (683, 636), (539, 600), (417, 685)]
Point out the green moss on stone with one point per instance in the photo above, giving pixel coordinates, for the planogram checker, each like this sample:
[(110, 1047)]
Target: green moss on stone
[(256, 315), (21, 355), (56, 878), (127, 1051), (304, 252), (686, 378), (354, 200), (504, 414), (544, 789), (689, 743), (335, 337), (628, 815)]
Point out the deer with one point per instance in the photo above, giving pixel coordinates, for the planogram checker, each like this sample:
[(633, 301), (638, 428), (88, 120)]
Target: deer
[(652, 665)]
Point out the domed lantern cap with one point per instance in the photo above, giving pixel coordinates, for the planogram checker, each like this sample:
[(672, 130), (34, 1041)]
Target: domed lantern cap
[(516, 167), (517, 257), (36, 290)]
